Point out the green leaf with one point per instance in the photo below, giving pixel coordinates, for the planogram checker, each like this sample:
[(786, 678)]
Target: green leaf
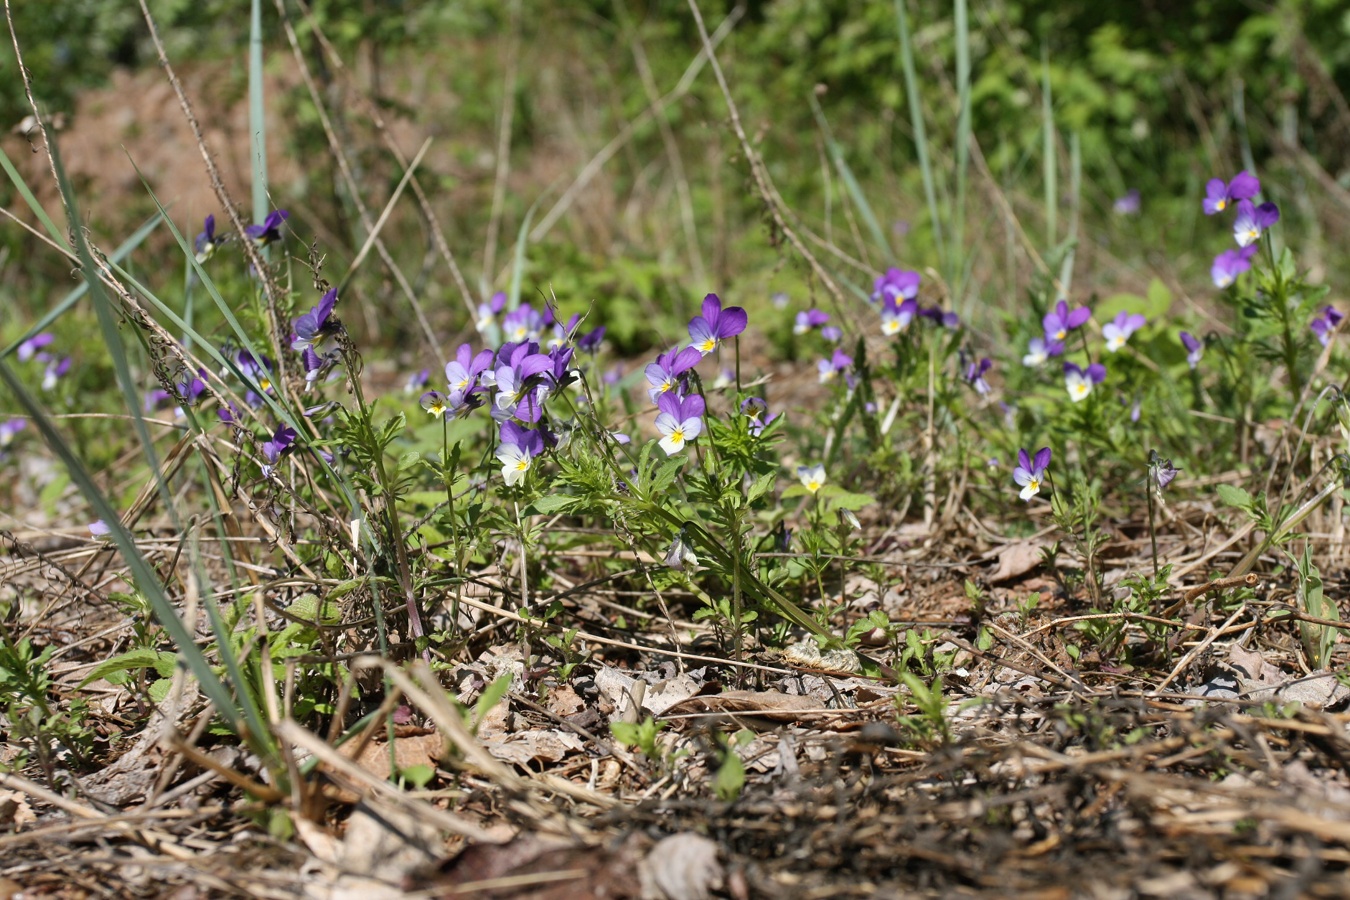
[(730, 777), (1236, 497), (553, 503), (417, 776), (161, 661), (849, 500), (761, 486)]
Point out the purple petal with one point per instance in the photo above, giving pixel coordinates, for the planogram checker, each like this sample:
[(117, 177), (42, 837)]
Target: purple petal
[(732, 322), (1078, 317), (1042, 459), (1024, 460), (1096, 373), (1244, 186), (712, 307)]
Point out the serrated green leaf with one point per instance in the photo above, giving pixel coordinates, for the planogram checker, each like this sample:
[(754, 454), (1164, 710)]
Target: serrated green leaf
[(761, 486), (553, 503), (849, 500)]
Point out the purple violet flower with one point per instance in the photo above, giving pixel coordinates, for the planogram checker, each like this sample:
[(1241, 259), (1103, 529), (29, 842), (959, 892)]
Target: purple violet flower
[(1118, 330), (679, 421), (518, 449), (312, 327), (29, 348), (523, 324), (832, 333), (757, 411), (1219, 196), (1080, 382), (99, 528), (270, 229), (809, 319), (1030, 472), (1229, 264), (520, 389), (9, 428), (900, 283), (434, 403), (272, 450), (591, 340), (716, 325), (206, 243), (1194, 348), (416, 381), (680, 554), (464, 372), (1039, 350), (1127, 204), (1161, 470), (668, 372), (1252, 220), (55, 371), (1061, 320), (830, 368), (895, 318), (1325, 322), (975, 375), (488, 312)]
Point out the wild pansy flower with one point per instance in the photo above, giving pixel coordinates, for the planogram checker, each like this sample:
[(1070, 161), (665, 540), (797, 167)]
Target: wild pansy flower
[(613, 375), (270, 229), (1030, 472), (1080, 382), (725, 379), (591, 340), (938, 317), (716, 325), (1161, 471), (895, 318), (1119, 329), (155, 398), (679, 420), (416, 381), (260, 370), (520, 391), (488, 312), (99, 528), (1325, 323), (1252, 220), (757, 411), (809, 319), (1127, 204), (811, 477), (434, 403), (9, 428), (896, 283), (1195, 348), (1061, 320), (518, 449), (779, 300), (832, 333), (680, 554), (829, 369), (464, 373), (205, 244), (975, 375), (272, 450), (523, 323), (55, 371), (315, 365), (1229, 264), (312, 327), (1039, 350), (1219, 196), (668, 372), (29, 349)]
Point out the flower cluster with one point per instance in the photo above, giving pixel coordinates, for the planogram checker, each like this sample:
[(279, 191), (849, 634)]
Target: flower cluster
[(679, 411), (897, 292), (54, 366), (1031, 471), (1249, 224)]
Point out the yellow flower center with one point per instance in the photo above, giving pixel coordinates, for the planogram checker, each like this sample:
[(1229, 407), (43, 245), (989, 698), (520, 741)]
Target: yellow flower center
[(1080, 390), (708, 346), (813, 485), (1221, 205)]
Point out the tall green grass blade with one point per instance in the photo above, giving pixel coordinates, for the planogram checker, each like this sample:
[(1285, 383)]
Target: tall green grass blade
[(1075, 198), (850, 182), (1048, 160), (19, 185), (962, 135), (121, 253), (103, 308), (257, 125), (142, 574), (518, 263), (916, 123)]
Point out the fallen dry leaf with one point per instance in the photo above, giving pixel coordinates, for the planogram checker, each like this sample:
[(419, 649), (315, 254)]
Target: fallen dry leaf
[(15, 813), (768, 704), (531, 746), (1017, 559), (681, 867)]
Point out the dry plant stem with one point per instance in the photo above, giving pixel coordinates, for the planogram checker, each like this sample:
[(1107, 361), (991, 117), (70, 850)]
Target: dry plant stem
[(757, 167), (672, 147), (222, 194), (1198, 649), (503, 142), (353, 190), (1220, 584), (376, 119), (606, 153)]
